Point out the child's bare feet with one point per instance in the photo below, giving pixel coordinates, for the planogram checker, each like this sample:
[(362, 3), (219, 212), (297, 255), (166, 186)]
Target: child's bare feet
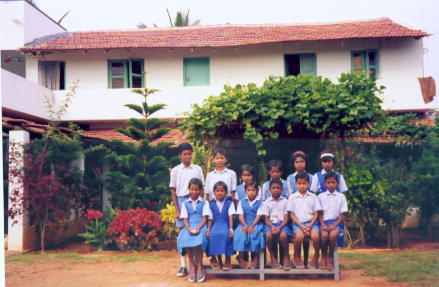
[(241, 261), (329, 264), (323, 264)]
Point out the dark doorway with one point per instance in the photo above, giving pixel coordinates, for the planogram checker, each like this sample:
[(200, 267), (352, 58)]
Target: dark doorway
[(292, 65)]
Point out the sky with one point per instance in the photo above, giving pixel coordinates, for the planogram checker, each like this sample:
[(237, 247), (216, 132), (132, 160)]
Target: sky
[(113, 14)]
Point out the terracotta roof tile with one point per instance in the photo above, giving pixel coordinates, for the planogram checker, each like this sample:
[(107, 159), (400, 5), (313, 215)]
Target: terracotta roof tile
[(108, 135), (221, 35)]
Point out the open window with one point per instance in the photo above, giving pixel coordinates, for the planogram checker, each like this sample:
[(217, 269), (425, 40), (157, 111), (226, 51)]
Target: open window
[(51, 74), (125, 74), (366, 60), (300, 64)]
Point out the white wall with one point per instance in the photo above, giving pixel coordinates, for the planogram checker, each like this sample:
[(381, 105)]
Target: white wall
[(21, 95), (20, 22), (400, 64), (12, 24), (37, 24)]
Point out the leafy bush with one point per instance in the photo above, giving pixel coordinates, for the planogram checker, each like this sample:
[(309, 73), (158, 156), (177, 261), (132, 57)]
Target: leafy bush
[(135, 229), (96, 228), (170, 231)]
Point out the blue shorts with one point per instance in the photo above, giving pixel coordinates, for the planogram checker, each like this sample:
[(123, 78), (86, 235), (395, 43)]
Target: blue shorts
[(340, 227), (314, 227), (286, 228), (180, 200)]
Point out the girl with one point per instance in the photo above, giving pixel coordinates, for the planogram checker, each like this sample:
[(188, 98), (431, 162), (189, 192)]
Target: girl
[(220, 227), (249, 235), (247, 175), (298, 158), (327, 161), (194, 213), (220, 173)]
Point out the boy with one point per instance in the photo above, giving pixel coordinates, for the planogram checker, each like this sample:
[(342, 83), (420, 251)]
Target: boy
[(275, 172), (179, 182), (220, 173), (276, 223), (303, 207), (334, 209), (327, 161)]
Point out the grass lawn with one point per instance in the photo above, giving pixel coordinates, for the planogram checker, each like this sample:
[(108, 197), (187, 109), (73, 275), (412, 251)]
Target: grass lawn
[(74, 258), (419, 268)]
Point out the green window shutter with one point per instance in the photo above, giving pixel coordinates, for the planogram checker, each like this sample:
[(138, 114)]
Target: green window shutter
[(308, 64), (372, 62), (117, 74), (196, 71), (136, 74)]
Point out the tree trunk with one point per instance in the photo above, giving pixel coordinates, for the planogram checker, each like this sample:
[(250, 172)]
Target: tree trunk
[(389, 236)]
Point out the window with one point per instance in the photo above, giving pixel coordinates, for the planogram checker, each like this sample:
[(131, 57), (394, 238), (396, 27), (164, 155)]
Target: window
[(196, 71), (51, 74), (366, 60), (125, 73), (304, 64)]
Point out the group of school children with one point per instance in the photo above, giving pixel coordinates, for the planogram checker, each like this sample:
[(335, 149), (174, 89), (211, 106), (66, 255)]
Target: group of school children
[(225, 218)]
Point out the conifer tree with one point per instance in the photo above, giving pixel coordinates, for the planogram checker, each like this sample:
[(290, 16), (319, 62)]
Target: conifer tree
[(139, 173)]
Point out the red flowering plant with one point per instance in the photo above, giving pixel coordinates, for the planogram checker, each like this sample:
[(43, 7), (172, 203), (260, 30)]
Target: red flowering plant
[(136, 229), (96, 229)]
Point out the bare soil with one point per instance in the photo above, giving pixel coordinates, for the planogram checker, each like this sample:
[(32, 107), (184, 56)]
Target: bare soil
[(160, 269)]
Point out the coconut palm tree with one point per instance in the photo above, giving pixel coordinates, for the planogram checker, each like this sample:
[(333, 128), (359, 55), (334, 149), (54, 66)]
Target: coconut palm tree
[(181, 20)]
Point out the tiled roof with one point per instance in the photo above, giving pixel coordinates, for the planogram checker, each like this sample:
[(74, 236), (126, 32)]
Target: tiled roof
[(221, 35), (108, 135), (174, 136)]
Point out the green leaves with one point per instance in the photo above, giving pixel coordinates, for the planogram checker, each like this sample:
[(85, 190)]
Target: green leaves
[(284, 104)]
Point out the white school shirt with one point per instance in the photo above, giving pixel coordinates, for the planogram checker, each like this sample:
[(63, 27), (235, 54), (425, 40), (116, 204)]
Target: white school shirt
[(184, 213), (275, 209), (220, 205), (239, 209), (333, 204), (181, 175), (315, 185), (266, 187), (228, 176), (303, 206)]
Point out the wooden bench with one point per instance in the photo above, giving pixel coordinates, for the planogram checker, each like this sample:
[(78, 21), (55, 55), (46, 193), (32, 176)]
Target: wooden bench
[(263, 270)]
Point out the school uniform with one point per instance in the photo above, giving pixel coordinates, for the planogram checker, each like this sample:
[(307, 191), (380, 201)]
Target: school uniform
[(254, 242), (318, 182), (219, 241), (179, 179), (241, 194), (304, 207), (194, 211), (228, 176), (333, 204), (291, 180), (266, 189), (276, 210)]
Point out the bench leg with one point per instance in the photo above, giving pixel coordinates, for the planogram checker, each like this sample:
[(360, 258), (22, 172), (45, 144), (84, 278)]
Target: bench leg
[(261, 265), (336, 265)]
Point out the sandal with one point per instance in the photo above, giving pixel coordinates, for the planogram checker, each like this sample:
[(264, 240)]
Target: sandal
[(313, 265), (227, 267), (275, 266), (299, 265), (201, 277), (215, 265), (330, 267), (287, 267), (253, 265)]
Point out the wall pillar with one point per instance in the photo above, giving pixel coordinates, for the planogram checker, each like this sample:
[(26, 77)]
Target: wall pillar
[(17, 232), (106, 196)]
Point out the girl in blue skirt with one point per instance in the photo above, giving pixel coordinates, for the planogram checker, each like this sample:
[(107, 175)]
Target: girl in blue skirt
[(249, 235), (220, 227), (191, 239)]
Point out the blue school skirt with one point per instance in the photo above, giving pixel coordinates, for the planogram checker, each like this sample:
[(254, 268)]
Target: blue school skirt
[(286, 228), (254, 242), (180, 199), (314, 227)]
